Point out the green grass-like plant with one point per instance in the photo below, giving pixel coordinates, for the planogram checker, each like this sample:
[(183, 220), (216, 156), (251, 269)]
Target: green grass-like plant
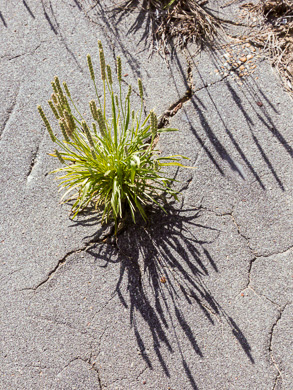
[(113, 161)]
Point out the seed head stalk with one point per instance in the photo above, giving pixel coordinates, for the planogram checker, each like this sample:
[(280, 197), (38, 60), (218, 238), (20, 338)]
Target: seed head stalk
[(109, 78), (103, 72), (92, 74), (119, 77), (121, 104), (59, 108), (127, 110), (104, 86), (140, 88)]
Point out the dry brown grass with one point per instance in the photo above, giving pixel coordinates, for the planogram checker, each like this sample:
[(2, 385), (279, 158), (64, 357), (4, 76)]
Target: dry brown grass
[(179, 22), (185, 20), (275, 34)]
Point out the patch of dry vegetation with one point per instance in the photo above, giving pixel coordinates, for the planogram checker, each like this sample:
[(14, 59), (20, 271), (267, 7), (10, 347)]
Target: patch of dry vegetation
[(178, 22), (184, 20), (275, 34)]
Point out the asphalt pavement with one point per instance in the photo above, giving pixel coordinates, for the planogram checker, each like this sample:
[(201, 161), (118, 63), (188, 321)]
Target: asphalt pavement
[(198, 298)]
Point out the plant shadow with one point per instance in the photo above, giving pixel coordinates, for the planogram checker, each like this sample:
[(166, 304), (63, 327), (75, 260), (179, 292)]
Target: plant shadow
[(163, 265), (3, 19), (253, 108)]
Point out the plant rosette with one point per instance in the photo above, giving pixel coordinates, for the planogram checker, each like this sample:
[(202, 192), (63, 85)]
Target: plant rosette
[(113, 162)]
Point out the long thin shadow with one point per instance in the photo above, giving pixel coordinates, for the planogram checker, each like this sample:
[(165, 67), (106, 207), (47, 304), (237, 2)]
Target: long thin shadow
[(278, 135), (28, 9), (255, 95), (221, 150), (265, 118), (3, 20), (219, 147), (241, 339), (102, 15), (205, 148), (261, 150), (181, 70), (57, 32), (78, 4), (161, 263), (124, 9), (143, 19), (50, 23)]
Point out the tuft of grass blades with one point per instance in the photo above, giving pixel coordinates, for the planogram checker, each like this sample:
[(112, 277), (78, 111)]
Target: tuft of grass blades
[(113, 163)]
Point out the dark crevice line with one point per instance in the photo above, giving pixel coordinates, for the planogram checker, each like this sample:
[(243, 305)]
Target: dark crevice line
[(175, 107), (95, 368), (249, 271), (95, 241), (275, 253), (279, 374), (56, 268), (240, 233), (10, 58), (191, 91)]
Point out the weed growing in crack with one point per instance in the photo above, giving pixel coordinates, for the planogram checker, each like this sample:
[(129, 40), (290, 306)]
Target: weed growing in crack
[(111, 162)]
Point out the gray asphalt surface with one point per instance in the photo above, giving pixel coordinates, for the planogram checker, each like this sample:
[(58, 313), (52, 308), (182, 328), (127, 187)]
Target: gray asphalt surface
[(77, 312)]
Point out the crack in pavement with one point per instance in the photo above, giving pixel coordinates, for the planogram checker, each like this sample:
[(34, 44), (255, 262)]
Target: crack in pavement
[(206, 307), (191, 91), (249, 271), (87, 361), (230, 71), (175, 107), (277, 253), (58, 265), (256, 255), (242, 234), (94, 367), (59, 322), (231, 214), (254, 258), (142, 372), (279, 373), (248, 286), (103, 307), (67, 365), (10, 273), (173, 110), (186, 185), (62, 261), (259, 295), (100, 342), (31, 52), (252, 261)]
